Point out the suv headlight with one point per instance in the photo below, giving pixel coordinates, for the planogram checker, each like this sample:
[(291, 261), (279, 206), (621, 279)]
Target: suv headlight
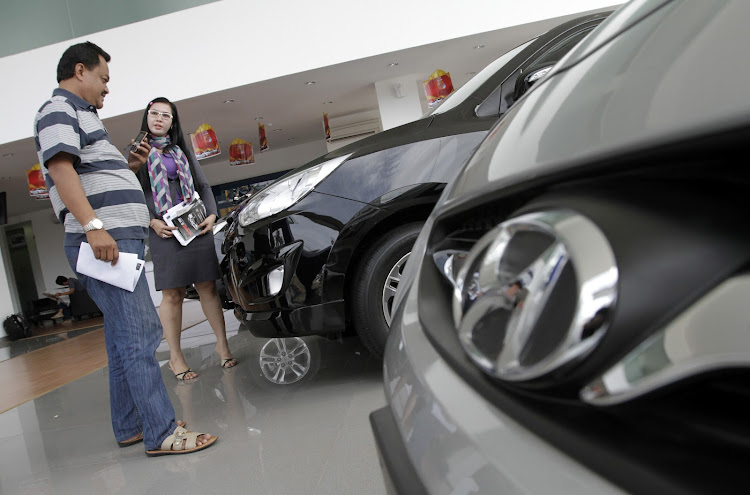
[(286, 191)]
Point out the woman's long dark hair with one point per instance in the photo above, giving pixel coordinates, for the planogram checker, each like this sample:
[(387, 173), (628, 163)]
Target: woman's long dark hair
[(176, 137)]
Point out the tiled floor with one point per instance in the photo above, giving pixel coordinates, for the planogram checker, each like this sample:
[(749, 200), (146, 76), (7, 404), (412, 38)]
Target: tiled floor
[(307, 437)]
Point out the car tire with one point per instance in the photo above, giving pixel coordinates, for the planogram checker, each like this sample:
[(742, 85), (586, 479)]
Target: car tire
[(376, 282)]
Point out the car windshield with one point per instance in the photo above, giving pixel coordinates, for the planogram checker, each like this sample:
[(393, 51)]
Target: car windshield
[(475, 82)]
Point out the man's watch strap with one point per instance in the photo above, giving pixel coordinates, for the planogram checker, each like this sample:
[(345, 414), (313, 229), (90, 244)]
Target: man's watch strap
[(94, 224)]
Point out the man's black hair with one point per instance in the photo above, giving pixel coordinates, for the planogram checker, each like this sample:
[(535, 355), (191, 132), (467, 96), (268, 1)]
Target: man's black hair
[(60, 280), (83, 53)]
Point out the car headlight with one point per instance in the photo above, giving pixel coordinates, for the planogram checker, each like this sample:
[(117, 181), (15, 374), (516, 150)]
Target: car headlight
[(286, 191)]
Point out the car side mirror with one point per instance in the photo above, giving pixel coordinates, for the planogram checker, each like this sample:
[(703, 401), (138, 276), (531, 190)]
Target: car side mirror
[(536, 75), (526, 82)]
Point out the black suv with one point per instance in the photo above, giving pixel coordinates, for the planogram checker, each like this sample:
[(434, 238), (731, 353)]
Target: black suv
[(323, 247)]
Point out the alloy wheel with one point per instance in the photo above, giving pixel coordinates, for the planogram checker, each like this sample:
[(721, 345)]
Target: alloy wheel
[(390, 287), (285, 361)]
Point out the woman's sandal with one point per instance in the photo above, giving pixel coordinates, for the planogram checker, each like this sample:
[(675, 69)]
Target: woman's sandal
[(181, 442), (181, 375), (224, 363), (138, 438)]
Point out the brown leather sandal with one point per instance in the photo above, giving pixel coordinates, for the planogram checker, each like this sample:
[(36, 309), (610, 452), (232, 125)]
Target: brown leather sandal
[(131, 441)]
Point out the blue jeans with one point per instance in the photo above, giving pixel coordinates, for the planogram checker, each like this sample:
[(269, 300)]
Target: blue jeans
[(137, 395)]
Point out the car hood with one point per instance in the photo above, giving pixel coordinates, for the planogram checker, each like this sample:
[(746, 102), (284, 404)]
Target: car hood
[(658, 82)]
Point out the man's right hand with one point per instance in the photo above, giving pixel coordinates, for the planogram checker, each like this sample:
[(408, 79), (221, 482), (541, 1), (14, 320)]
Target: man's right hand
[(104, 247)]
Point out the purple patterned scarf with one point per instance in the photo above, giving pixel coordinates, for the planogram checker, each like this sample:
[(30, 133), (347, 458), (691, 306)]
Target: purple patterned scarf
[(157, 174)]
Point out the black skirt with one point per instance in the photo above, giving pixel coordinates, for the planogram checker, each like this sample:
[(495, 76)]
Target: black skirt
[(176, 265)]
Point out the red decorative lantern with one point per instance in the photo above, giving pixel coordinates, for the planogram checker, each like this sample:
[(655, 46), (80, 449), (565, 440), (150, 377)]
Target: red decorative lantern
[(327, 127), (37, 186), (241, 152), (262, 140), (204, 142), (438, 86)]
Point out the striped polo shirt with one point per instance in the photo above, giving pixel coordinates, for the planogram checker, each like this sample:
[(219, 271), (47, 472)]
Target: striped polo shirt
[(68, 123)]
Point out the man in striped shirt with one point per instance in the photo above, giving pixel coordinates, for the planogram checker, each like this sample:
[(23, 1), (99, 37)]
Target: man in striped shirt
[(98, 199)]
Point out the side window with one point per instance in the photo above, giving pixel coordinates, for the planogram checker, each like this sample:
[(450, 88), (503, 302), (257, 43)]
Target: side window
[(489, 107), (510, 90)]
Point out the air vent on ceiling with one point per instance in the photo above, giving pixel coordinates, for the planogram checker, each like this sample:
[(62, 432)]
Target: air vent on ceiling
[(356, 129)]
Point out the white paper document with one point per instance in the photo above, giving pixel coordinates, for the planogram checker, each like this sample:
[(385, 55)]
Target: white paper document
[(124, 274)]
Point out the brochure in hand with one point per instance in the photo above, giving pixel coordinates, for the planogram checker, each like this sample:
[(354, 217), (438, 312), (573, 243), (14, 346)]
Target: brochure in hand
[(186, 216), (124, 274)]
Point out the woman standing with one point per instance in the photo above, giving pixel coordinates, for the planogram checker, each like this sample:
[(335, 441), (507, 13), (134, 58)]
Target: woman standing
[(172, 174)]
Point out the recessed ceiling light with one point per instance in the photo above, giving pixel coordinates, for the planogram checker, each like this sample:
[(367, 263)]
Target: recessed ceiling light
[(258, 119), (477, 47), (393, 64), (310, 83), (278, 129), (470, 73), (229, 101), (7, 155), (327, 102), (290, 139)]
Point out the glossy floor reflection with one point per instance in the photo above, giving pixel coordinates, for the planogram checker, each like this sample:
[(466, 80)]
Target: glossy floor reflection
[(43, 337), (308, 435)]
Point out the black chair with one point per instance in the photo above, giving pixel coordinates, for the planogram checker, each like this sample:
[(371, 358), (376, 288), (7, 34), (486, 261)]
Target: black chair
[(40, 310), (82, 305)]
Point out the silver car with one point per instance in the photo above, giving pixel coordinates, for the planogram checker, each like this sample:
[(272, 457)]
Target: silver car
[(575, 315)]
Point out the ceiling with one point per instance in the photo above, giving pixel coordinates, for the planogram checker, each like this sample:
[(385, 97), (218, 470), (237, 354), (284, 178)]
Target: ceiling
[(291, 109)]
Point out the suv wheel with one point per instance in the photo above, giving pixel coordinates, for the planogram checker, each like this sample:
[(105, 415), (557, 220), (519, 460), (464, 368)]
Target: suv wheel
[(285, 361), (376, 284)]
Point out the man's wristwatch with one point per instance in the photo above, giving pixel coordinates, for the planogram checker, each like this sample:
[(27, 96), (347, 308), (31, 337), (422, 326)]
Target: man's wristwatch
[(94, 224)]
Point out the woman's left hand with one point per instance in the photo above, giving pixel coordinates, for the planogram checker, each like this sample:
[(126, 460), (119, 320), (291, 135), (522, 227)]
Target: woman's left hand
[(207, 224)]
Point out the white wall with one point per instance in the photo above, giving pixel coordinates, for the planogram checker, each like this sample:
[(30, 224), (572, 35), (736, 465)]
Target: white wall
[(279, 39)]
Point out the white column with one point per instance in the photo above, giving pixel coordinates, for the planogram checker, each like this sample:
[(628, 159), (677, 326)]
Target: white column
[(399, 100)]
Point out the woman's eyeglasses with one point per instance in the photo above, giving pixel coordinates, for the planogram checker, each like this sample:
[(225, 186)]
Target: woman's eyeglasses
[(164, 115)]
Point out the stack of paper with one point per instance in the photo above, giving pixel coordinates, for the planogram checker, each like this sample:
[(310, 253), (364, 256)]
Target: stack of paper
[(124, 274)]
